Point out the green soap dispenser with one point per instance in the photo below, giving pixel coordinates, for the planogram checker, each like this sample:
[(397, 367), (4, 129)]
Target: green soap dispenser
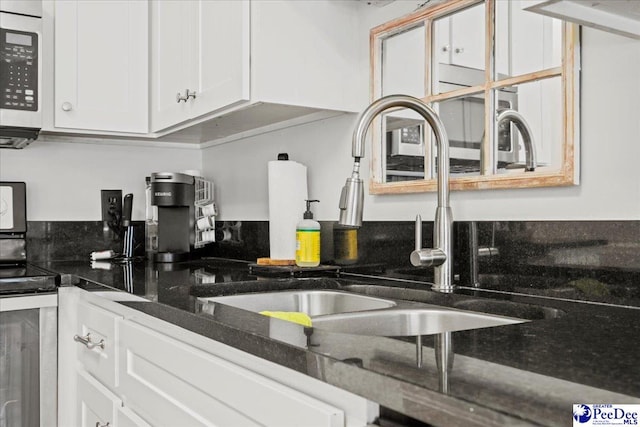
[(308, 239)]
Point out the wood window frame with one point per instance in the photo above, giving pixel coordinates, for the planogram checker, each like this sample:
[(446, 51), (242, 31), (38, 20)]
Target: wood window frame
[(568, 172)]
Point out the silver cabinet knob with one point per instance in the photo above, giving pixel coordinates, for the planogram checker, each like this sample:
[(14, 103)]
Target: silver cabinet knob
[(187, 94), (446, 48), (459, 50), (66, 106)]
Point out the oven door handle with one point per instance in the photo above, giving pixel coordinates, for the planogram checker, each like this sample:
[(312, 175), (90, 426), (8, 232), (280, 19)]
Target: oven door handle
[(86, 340)]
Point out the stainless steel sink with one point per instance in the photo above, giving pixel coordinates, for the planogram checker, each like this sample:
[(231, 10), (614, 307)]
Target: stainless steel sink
[(354, 313), (311, 302), (397, 322)]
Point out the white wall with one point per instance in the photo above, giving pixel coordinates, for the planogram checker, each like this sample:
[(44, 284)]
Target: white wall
[(610, 155), (64, 179)]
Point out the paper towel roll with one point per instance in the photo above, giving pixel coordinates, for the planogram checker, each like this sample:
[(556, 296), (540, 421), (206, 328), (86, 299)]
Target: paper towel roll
[(287, 195)]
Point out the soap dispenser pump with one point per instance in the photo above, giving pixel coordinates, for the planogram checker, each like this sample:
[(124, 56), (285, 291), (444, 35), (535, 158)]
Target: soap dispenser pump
[(308, 239)]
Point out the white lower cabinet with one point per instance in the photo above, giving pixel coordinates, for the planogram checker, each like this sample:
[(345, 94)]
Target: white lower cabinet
[(87, 341), (169, 382), (138, 370)]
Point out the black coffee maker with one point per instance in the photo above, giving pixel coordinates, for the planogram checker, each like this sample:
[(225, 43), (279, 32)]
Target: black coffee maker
[(174, 195)]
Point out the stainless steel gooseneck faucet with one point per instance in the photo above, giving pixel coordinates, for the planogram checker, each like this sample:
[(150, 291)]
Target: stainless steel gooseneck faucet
[(525, 131), (352, 197)]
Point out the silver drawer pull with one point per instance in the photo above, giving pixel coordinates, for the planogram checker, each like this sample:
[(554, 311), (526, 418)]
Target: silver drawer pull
[(86, 340), (99, 424)]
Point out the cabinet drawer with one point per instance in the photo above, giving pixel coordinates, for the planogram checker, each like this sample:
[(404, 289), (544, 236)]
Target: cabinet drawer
[(97, 341), (168, 383), (96, 405)]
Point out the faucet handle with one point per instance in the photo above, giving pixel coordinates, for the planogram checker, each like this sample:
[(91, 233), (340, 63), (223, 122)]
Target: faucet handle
[(425, 257)]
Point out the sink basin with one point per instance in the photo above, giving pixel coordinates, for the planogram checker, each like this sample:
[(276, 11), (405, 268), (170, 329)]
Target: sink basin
[(398, 322), (311, 302), (359, 314)]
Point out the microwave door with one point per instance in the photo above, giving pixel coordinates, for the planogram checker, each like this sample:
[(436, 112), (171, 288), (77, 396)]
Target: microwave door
[(463, 118), (20, 78)]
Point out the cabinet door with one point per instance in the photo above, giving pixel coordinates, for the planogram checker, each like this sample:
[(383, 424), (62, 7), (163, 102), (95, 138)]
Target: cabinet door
[(467, 29), (222, 59), (97, 342), (169, 383), (172, 58), (101, 65), (442, 40), (96, 406), (459, 38), (202, 47)]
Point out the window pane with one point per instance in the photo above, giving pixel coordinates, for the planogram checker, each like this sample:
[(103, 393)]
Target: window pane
[(525, 42), (459, 49), (403, 147), (403, 63), (540, 105), (463, 119)]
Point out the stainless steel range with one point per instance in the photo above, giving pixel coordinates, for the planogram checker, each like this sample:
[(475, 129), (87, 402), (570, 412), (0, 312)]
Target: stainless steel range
[(28, 322)]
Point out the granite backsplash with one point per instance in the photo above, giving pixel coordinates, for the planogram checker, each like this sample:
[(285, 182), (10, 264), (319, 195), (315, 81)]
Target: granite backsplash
[(595, 261)]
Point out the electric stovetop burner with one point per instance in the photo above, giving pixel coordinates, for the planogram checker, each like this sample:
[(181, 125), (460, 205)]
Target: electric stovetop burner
[(17, 276), (21, 278)]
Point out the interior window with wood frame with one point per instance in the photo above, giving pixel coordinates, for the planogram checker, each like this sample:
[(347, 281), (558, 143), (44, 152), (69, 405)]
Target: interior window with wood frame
[(503, 80)]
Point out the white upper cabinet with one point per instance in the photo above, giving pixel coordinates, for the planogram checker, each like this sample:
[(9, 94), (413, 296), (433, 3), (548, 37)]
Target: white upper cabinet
[(101, 65), (304, 53), (200, 58), (284, 59), (199, 70)]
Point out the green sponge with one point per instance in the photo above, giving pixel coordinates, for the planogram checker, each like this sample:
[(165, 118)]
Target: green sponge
[(291, 316)]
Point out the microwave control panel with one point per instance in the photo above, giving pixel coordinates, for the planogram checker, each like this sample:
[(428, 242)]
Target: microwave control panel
[(19, 70), (411, 135)]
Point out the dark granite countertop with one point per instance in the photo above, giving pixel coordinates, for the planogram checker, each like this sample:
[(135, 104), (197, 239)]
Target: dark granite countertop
[(522, 374)]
